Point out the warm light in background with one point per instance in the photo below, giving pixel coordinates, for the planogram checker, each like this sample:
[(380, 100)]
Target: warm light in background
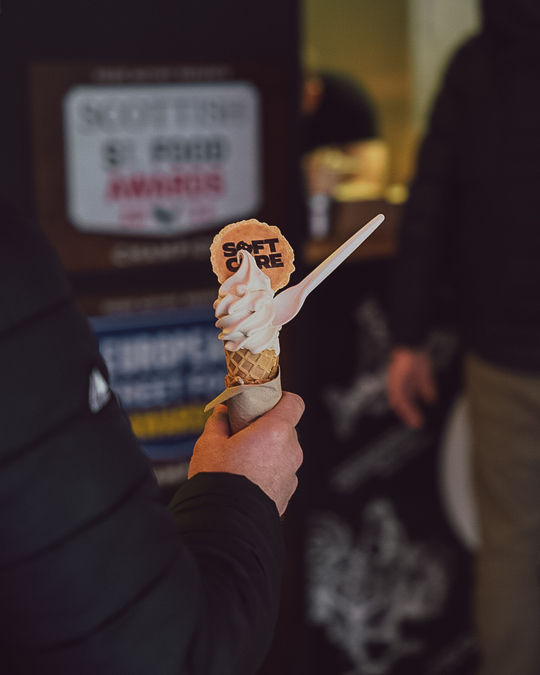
[(397, 50)]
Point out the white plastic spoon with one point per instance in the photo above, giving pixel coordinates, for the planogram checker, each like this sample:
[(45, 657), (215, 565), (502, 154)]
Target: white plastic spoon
[(289, 302)]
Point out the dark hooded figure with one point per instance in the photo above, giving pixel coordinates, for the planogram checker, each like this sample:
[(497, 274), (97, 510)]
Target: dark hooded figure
[(472, 223)]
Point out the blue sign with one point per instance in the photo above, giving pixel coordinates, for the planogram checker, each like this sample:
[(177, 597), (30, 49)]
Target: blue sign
[(164, 366)]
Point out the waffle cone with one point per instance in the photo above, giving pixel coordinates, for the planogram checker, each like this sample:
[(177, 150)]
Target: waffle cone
[(244, 367)]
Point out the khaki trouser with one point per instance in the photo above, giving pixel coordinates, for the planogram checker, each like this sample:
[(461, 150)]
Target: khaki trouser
[(505, 425)]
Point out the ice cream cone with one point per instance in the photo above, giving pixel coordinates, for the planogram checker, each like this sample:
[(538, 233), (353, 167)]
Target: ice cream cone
[(244, 367), (251, 260)]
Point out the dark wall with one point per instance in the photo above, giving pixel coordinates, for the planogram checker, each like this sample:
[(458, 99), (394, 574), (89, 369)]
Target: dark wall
[(49, 48), (78, 30)]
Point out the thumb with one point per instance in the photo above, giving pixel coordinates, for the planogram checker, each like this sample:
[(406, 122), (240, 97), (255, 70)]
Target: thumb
[(218, 423)]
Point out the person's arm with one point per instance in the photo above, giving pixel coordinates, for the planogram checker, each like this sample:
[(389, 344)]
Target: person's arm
[(256, 476), (424, 244), (96, 576)]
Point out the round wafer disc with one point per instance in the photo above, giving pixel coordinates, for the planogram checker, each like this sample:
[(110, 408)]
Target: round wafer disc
[(272, 252)]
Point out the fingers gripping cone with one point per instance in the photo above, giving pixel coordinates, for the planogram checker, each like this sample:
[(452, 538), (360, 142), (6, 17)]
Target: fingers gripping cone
[(253, 384)]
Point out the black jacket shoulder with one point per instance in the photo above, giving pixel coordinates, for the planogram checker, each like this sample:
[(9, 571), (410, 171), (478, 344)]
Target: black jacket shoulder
[(96, 574)]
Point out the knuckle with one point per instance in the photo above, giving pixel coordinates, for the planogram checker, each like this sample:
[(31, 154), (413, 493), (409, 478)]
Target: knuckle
[(279, 431)]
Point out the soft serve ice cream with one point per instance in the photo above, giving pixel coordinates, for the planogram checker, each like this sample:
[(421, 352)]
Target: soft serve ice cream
[(245, 310)]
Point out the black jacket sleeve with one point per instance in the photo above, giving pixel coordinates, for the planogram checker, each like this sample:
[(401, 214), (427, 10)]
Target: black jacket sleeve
[(96, 575), (427, 219)]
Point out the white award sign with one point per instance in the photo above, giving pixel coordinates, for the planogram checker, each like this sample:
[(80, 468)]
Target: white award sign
[(159, 160)]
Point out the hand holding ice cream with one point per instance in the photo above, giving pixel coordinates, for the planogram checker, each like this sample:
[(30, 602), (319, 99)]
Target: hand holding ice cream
[(269, 453)]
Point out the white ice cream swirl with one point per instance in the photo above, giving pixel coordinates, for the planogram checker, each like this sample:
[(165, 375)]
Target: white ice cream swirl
[(245, 310)]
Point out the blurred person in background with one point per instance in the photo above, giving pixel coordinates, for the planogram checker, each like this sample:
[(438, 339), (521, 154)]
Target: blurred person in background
[(340, 143), (96, 575), (473, 217)]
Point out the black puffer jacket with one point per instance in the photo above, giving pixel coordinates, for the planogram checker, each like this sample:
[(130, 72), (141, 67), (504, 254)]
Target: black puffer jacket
[(96, 577), (474, 211)]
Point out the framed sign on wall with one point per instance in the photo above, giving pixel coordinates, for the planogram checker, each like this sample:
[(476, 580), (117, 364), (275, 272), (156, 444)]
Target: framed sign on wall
[(139, 165)]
